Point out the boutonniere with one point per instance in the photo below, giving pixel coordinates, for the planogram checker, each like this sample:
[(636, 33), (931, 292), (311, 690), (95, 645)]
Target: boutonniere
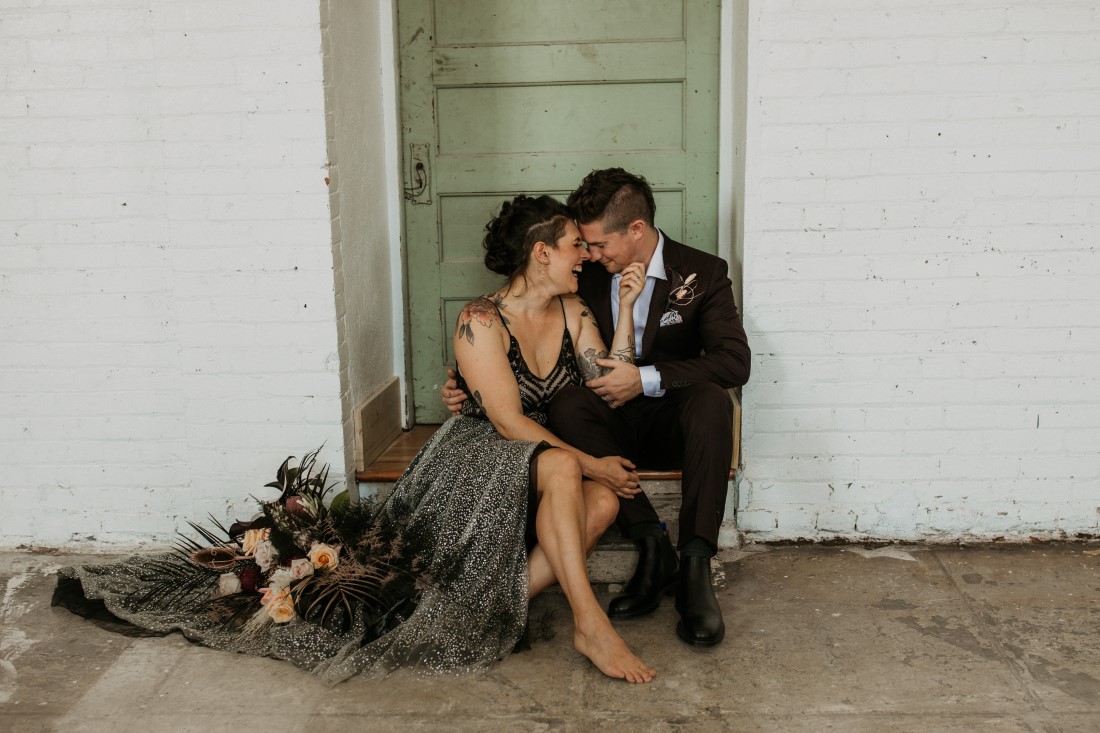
[(682, 291)]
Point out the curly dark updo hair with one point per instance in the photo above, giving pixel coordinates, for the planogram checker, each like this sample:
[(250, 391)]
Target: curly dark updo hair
[(511, 235)]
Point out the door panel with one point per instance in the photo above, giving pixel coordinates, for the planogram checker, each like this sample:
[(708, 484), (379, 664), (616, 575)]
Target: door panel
[(488, 22), (500, 97), (559, 119)]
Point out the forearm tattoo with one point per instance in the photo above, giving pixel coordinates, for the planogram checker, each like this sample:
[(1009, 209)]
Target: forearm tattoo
[(587, 363), (627, 353)]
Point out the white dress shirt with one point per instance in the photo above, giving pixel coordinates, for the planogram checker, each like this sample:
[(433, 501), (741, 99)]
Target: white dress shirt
[(651, 378)]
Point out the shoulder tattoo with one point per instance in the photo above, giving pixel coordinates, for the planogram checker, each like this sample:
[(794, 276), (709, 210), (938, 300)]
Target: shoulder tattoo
[(477, 312), (498, 301)]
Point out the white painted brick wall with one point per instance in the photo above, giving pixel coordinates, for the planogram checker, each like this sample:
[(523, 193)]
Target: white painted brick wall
[(166, 288), (922, 282)]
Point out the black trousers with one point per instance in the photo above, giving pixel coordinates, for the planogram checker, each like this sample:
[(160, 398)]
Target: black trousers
[(689, 429)]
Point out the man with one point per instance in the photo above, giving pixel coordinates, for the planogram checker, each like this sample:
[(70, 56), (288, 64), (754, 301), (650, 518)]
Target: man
[(669, 409)]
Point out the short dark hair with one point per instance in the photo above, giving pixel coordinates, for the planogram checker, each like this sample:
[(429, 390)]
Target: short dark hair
[(615, 196)]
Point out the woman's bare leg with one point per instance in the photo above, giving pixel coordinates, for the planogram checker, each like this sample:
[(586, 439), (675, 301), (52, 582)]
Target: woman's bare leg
[(600, 507), (560, 525)]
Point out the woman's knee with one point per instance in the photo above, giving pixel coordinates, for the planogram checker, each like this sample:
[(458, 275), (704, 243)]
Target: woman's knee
[(603, 506), (558, 469)]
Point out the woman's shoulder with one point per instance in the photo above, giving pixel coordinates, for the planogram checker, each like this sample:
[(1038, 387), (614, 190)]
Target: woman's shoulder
[(573, 303), (483, 312)]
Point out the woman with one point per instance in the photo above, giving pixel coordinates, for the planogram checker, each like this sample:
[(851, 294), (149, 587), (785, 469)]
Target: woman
[(492, 510), (515, 348)]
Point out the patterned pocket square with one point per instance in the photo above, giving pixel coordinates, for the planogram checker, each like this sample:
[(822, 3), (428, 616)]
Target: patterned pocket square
[(671, 318)]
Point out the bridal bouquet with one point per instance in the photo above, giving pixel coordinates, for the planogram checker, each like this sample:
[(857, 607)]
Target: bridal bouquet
[(301, 559)]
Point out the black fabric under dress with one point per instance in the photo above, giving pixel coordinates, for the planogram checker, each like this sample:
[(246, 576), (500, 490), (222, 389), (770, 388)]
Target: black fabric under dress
[(465, 503)]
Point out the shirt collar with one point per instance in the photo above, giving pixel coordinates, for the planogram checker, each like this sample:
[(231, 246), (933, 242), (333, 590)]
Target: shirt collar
[(657, 261)]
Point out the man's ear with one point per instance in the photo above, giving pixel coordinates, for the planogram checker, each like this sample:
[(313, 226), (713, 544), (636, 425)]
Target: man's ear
[(636, 229)]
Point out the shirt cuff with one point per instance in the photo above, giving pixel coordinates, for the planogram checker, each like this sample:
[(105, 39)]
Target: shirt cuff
[(651, 381)]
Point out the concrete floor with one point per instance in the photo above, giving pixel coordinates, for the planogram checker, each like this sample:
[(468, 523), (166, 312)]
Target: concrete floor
[(996, 638)]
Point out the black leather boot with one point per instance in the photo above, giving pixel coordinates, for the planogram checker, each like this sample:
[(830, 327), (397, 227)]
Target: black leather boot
[(655, 574), (700, 617)]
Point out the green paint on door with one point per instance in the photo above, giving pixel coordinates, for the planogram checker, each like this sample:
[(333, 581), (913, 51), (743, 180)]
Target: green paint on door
[(500, 97)]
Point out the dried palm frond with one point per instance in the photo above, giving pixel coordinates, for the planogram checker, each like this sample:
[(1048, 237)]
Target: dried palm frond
[(331, 598), (173, 581), (234, 611)]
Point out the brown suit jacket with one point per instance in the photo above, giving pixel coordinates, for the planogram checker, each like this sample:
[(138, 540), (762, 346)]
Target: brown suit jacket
[(702, 339)]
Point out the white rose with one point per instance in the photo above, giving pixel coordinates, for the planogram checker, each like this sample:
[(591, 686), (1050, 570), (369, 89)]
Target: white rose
[(301, 568), (280, 579), (228, 584), (265, 555)]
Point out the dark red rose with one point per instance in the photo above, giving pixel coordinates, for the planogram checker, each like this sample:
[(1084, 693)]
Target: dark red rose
[(251, 578)]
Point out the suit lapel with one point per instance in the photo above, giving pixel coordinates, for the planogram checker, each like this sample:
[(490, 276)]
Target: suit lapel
[(661, 289)]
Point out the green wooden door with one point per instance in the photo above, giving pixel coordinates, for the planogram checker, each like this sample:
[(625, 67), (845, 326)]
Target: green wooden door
[(500, 97)]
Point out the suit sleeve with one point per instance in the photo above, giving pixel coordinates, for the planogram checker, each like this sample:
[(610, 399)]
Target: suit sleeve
[(726, 358)]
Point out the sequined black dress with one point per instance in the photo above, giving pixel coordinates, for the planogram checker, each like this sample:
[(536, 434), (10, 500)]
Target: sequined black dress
[(465, 504)]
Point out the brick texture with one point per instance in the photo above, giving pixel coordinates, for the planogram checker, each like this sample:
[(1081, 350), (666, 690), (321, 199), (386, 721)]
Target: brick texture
[(166, 285), (922, 283)]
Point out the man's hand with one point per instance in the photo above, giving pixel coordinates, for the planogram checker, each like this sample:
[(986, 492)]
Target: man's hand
[(620, 385), (617, 473), (452, 396)]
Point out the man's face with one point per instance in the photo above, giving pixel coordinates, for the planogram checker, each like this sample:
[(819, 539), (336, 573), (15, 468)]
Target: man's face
[(613, 250)]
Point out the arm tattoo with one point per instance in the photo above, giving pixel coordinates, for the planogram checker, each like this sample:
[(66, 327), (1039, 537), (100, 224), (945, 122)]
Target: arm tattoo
[(478, 311), (478, 400), (587, 363), (627, 353), (586, 312)]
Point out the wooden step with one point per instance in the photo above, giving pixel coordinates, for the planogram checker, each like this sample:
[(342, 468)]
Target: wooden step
[(392, 463)]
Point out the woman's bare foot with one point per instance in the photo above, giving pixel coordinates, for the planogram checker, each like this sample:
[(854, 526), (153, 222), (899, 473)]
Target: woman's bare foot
[(599, 641)]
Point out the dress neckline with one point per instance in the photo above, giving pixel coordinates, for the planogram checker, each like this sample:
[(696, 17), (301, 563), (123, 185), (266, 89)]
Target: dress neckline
[(557, 362), (514, 343)]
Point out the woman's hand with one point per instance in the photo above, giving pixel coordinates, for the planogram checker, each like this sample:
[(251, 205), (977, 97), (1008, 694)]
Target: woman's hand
[(617, 473), (631, 284)]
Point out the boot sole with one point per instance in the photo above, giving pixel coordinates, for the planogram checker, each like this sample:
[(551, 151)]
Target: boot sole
[(666, 591), (680, 632)]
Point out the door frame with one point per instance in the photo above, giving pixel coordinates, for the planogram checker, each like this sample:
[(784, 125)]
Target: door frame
[(732, 97)]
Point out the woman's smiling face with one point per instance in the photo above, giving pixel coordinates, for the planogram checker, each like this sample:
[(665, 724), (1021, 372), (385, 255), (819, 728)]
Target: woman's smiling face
[(566, 260)]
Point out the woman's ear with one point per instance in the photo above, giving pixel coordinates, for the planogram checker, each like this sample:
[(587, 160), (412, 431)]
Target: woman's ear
[(539, 253)]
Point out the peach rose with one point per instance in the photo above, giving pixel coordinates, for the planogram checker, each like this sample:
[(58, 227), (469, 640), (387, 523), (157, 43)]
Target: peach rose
[(324, 557), (253, 538), (282, 610), (270, 596)]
